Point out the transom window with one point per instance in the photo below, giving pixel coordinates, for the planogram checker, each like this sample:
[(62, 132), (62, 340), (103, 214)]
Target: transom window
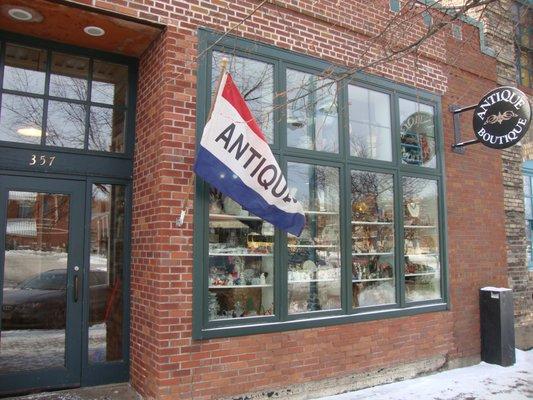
[(362, 156), (54, 99)]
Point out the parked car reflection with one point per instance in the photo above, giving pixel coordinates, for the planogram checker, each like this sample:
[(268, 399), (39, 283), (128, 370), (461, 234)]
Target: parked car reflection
[(39, 302)]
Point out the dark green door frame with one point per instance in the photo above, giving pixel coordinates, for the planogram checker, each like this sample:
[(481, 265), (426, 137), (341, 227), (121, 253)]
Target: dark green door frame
[(70, 374)]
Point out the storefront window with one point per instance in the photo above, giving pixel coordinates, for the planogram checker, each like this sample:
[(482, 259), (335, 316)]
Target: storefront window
[(370, 124), (62, 100), (372, 210), (241, 263), (421, 239), (314, 262), (312, 121), (417, 134), (255, 80), (369, 180)]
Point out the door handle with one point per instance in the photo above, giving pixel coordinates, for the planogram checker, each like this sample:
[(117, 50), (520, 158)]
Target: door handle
[(76, 288)]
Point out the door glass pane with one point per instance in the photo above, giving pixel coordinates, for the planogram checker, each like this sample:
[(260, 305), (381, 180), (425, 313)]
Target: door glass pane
[(24, 69), (21, 119), (69, 76), (312, 121), (255, 80), (314, 262), (105, 273), (241, 263), (35, 278), (421, 239), (372, 239), (370, 124), (417, 128), (66, 125)]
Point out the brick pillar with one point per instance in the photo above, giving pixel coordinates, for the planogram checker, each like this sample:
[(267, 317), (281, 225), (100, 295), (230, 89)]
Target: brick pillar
[(161, 270)]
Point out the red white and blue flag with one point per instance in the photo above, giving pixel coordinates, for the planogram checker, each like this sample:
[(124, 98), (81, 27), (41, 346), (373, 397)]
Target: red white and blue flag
[(235, 157)]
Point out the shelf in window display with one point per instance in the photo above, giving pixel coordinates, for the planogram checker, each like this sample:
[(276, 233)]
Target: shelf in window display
[(372, 223), (232, 216), (373, 254), (421, 274), (420, 226), (240, 254), (321, 212), (313, 280), (371, 280), (422, 255), (313, 246), (238, 286)]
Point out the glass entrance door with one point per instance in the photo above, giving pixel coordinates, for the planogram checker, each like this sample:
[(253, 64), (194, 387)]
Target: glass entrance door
[(41, 262)]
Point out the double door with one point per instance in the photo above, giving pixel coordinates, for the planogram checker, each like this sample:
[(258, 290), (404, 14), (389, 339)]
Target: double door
[(61, 273)]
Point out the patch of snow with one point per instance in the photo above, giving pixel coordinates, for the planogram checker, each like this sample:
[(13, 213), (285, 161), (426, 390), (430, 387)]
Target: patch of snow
[(482, 381)]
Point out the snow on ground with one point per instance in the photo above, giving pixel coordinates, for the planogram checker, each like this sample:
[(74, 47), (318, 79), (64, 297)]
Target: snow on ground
[(30, 349), (479, 382)]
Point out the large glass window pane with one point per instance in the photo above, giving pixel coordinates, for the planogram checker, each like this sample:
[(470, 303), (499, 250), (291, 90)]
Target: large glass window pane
[(110, 83), (372, 203), (106, 129), (241, 263), (35, 282), (314, 261), (21, 119), (255, 80), (24, 69), (370, 124), (105, 273), (417, 127), (65, 125), (421, 239), (69, 76), (312, 121)]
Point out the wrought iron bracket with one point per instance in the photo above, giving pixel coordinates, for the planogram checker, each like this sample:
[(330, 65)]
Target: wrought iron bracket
[(458, 146)]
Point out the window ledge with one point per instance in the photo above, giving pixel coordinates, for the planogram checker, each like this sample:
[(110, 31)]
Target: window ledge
[(270, 327)]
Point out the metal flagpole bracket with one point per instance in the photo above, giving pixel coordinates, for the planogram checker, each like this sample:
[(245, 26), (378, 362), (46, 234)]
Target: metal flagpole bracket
[(458, 146)]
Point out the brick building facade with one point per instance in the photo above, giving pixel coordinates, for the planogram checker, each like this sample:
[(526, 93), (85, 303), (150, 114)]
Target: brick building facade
[(177, 352)]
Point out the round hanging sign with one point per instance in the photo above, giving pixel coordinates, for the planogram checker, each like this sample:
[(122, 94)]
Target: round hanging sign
[(502, 117)]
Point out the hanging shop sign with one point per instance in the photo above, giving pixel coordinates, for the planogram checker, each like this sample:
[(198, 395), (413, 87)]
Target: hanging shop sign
[(500, 120), (502, 117)]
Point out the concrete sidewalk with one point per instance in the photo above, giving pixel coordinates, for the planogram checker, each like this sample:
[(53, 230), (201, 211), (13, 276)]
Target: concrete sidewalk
[(478, 382)]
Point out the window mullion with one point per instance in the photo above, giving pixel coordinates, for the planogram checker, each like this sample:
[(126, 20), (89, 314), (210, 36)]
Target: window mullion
[(46, 94), (399, 242), (345, 240)]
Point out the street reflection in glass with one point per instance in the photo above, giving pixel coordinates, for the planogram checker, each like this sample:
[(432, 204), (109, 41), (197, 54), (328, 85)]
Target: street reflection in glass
[(35, 276), (105, 278)]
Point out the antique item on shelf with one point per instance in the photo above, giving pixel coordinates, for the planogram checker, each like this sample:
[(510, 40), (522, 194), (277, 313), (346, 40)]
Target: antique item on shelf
[(231, 206), (258, 243), (262, 279), (213, 306), (215, 202), (267, 229), (414, 209)]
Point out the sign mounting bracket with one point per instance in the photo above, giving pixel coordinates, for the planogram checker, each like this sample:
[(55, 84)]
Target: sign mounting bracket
[(458, 145)]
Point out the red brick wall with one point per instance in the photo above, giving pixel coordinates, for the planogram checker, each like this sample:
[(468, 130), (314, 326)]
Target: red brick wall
[(165, 361)]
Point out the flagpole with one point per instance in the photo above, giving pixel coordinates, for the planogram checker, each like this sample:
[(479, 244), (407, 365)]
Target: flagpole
[(191, 182)]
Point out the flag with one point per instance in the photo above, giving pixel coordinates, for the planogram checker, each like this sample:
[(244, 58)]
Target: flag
[(235, 157)]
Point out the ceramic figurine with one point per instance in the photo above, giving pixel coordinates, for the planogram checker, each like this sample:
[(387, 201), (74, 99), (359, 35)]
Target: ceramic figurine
[(263, 279)]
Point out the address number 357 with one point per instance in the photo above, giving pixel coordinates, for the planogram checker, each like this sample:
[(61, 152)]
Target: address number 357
[(42, 160)]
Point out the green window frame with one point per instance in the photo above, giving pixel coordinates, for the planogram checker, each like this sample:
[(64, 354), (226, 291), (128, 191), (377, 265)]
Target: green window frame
[(528, 211), (398, 169)]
